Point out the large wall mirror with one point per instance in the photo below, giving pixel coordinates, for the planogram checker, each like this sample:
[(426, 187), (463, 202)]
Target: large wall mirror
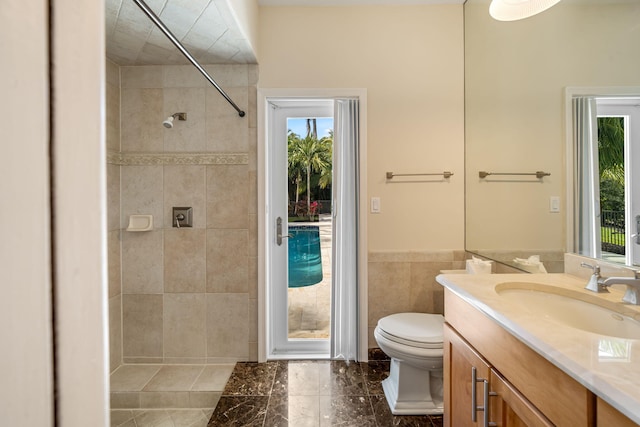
[(517, 78)]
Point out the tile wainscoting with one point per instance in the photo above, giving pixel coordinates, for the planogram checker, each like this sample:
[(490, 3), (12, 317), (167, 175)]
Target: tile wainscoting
[(404, 281)]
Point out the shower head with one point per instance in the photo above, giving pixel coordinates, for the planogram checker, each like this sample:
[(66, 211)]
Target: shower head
[(169, 122)]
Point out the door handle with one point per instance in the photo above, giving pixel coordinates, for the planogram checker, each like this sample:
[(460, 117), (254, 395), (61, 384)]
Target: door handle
[(279, 235)]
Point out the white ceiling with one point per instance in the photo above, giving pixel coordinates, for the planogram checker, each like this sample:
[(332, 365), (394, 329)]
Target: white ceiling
[(351, 2), (206, 28)]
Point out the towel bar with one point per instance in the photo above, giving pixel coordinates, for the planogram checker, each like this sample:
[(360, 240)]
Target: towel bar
[(538, 174), (445, 174)]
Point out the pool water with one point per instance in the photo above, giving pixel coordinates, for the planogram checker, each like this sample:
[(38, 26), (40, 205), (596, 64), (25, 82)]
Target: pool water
[(305, 260)]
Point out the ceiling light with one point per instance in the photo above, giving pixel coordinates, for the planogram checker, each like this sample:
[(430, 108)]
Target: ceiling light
[(512, 10)]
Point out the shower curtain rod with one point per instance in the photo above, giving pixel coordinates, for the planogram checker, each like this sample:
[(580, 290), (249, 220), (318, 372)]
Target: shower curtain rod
[(185, 52)]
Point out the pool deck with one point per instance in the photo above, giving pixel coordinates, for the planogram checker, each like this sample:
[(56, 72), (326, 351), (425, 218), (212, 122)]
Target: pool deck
[(310, 306)]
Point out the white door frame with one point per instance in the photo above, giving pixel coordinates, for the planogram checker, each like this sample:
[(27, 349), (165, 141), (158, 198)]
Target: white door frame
[(263, 95), (79, 213)]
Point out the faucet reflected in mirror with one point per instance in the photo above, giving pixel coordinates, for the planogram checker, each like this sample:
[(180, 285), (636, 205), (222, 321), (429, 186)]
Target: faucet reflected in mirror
[(513, 120)]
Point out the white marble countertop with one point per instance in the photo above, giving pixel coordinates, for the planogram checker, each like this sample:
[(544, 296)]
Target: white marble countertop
[(614, 378)]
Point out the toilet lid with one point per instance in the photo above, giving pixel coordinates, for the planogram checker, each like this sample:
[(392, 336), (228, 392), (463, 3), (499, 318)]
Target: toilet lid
[(415, 328)]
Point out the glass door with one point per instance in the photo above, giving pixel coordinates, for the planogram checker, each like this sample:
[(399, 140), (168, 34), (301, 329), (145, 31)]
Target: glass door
[(299, 211)]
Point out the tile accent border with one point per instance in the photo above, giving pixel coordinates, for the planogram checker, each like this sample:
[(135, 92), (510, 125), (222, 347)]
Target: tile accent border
[(163, 158)]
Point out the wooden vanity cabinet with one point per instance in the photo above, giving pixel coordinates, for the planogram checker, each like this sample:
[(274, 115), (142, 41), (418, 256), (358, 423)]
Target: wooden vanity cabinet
[(468, 370), (459, 362), (609, 416), (529, 390)]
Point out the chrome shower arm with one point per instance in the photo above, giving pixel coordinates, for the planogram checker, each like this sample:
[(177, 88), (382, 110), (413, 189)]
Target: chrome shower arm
[(154, 18)]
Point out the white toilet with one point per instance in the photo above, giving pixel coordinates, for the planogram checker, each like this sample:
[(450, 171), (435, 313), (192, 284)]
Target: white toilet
[(414, 343)]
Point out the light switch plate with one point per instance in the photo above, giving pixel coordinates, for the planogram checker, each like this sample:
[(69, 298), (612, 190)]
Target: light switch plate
[(375, 205), (554, 204)]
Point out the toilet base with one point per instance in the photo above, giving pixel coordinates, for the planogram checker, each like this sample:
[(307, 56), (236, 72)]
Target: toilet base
[(413, 391)]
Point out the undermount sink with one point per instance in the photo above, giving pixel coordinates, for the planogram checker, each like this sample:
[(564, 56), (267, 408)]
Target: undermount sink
[(571, 308)]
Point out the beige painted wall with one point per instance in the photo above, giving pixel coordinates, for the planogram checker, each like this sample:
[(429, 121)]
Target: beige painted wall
[(516, 75), (410, 60)]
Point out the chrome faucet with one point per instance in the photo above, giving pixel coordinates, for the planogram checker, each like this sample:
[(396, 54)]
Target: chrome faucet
[(595, 283), (632, 294), (599, 284)]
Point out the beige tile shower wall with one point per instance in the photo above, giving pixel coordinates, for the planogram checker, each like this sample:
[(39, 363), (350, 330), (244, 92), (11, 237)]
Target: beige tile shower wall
[(113, 215), (405, 282), (189, 295)]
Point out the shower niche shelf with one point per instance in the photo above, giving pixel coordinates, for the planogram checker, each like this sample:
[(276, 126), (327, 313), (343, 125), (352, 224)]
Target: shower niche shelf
[(140, 223)]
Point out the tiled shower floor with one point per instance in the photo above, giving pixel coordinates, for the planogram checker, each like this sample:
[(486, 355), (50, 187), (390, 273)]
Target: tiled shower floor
[(166, 395)]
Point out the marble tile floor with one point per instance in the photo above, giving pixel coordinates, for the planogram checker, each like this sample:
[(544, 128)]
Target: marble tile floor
[(149, 395), (308, 394)]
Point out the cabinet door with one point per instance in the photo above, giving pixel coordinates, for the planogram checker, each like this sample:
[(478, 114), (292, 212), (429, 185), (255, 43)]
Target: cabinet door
[(510, 408), (609, 416), (461, 365)]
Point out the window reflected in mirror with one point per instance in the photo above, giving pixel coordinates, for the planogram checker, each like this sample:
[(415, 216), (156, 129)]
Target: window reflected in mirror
[(607, 134)]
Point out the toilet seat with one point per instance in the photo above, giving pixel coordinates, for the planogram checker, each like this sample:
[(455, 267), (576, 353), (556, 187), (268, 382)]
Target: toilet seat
[(419, 330)]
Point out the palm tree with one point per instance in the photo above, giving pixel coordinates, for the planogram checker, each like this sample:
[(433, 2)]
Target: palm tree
[(312, 155), (611, 148), (326, 173), (611, 165), (295, 169), (312, 129)]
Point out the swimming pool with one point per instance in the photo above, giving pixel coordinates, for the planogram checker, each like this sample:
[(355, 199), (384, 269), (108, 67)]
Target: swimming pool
[(305, 259)]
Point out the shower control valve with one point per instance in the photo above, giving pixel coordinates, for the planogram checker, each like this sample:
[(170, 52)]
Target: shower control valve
[(182, 217)]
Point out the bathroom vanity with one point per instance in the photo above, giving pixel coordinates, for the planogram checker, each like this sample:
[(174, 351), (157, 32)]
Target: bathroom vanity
[(518, 346)]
